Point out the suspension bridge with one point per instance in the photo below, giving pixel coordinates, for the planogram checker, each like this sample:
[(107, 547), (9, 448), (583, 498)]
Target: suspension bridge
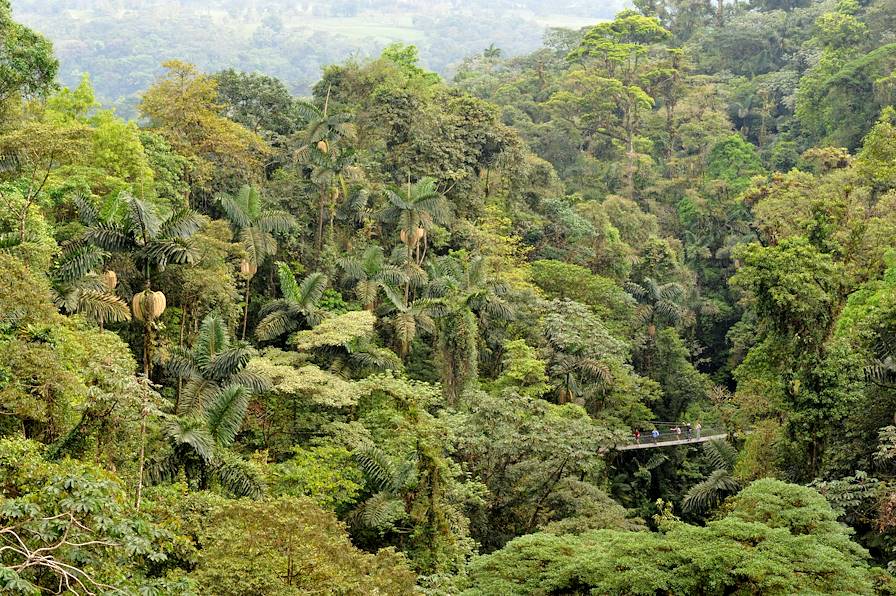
[(670, 438)]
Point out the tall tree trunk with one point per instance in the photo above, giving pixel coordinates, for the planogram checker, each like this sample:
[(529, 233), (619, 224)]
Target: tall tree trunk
[(142, 457), (319, 241), (246, 308), (147, 347)]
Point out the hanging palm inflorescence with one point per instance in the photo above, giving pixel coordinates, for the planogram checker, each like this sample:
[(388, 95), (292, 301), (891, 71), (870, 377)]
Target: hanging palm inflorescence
[(298, 307), (78, 287), (415, 209), (256, 228), (152, 242)]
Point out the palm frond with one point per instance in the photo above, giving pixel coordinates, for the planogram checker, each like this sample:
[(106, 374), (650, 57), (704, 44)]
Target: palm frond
[(307, 111), (258, 244), (109, 236), (237, 208), (275, 324), (77, 260), (195, 395), (176, 250), (637, 291), (352, 268), (710, 492), (225, 413), (103, 306), (311, 289), (191, 432), (229, 361), (669, 310), (289, 287), (376, 358), (181, 225), (394, 297), (237, 476), (594, 369), (253, 382), (144, 221), (87, 213), (275, 222), (380, 512), (405, 324), (182, 365), (671, 292), (497, 308), (212, 339), (721, 454)]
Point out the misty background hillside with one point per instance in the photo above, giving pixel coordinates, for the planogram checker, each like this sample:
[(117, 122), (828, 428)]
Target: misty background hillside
[(123, 43)]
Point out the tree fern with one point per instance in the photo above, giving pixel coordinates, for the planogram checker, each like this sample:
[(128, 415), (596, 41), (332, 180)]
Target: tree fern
[(377, 467), (711, 492)]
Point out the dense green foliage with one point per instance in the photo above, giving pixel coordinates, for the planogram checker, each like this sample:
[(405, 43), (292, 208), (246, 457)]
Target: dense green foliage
[(391, 338)]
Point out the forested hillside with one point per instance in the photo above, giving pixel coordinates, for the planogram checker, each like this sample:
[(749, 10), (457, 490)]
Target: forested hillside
[(614, 317), (123, 43)]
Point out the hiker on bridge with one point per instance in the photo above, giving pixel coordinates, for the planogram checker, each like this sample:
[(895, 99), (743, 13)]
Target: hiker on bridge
[(655, 434), (699, 427), (688, 430), (638, 436)]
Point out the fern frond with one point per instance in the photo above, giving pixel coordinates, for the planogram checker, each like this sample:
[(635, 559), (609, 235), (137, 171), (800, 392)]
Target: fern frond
[(377, 466), (710, 492)]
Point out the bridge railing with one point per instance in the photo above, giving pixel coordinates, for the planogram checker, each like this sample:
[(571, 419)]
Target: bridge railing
[(667, 436)]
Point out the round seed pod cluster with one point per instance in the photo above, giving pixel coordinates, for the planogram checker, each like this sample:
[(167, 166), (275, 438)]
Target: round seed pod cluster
[(148, 305)]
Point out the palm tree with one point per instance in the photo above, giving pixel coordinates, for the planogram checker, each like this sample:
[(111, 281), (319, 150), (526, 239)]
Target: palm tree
[(151, 241), (215, 364), (210, 411), (321, 125), (407, 319), (882, 372), (385, 510), (78, 288), (719, 484), (370, 274), (256, 231), (199, 448), (415, 209), (466, 298), (576, 367), (492, 52), (658, 303), (319, 148), (298, 306)]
